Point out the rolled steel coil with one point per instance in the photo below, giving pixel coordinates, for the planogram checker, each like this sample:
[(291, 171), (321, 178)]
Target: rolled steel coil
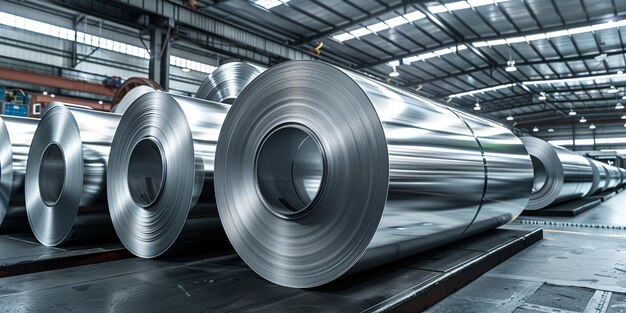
[(615, 176), (320, 171), (623, 171), (130, 97), (509, 173), (600, 177), (559, 174), (160, 178), (16, 134), (65, 175), (227, 81)]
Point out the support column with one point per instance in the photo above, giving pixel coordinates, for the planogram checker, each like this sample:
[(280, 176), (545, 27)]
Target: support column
[(159, 68)]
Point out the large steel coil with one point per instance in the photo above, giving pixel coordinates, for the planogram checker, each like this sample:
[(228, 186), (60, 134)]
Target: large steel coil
[(65, 175), (559, 174), (509, 173), (600, 177), (227, 81), (319, 171), (16, 134), (160, 178), (614, 175)]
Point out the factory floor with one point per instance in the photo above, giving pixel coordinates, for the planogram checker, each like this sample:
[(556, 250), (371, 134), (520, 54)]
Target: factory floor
[(579, 266)]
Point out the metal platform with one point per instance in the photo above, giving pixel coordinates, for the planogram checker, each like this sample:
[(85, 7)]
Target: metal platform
[(22, 254), (222, 282), (606, 195), (570, 208)]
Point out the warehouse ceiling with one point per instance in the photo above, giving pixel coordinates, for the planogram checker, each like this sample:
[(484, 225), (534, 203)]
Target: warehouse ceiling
[(571, 50)]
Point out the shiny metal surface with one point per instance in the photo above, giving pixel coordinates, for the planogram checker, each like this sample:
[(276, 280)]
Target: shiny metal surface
[(65, 174), (130, 97), (227, 81), (16, 134), (614, 176), (388, 174), (600, 177), (560, 174), (509, 173), (160, 178)]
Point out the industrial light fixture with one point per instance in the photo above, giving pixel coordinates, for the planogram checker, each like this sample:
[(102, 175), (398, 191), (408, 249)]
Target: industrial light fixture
[(394, 73), (509, 118), (612, 89), (268, 4), (624, 125), (473, 92), (510, 66), (477, 106), (535, 129), (550, 130), (100, 102), (542, 96), (592, 126), (186, 69), (619, 106), (45, 93), (624, 97), (52, 95), (583, 120), (572, 112), (624, 117)]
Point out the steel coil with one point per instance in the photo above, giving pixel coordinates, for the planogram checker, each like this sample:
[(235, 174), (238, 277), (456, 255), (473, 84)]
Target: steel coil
[(16, 134), (65, 175), (600, 177), (509, 173), (623, 172), (559, 174), (319, 171), (227, 81), (160, 175), (130, 97), (614, 176)]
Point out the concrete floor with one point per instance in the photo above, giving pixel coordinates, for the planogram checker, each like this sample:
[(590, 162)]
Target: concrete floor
[(579, 266)]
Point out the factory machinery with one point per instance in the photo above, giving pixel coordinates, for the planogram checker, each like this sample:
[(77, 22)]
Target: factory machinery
[(312, 171)]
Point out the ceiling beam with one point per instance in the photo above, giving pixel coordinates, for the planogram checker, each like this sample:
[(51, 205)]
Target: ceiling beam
[(529, 63), (467, 42), (354, 22), (603, 121)]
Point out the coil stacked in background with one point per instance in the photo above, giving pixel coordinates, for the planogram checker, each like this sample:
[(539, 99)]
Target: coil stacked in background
[(65, 175), (227, 81), (559, 174), (16, 134), (614, 175), (160, 178), (600, 177), (130, 97), (320, 171)]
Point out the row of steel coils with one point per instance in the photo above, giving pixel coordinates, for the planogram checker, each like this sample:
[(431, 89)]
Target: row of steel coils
[(312, 171)]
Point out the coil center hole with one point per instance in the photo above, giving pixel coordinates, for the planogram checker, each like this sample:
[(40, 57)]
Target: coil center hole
[(146, 172), (540, 176), (52, 174), (290, 170)]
